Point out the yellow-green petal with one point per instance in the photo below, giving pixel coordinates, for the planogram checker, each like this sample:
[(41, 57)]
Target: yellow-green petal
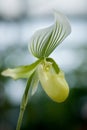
[(34, 83), (21, 71), (53, 84)]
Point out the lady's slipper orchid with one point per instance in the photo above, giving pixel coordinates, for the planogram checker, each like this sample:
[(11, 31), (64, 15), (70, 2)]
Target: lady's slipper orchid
[(44, 70)]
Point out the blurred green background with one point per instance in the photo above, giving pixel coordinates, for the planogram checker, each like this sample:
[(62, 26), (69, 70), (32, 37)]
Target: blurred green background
[(19, 19)]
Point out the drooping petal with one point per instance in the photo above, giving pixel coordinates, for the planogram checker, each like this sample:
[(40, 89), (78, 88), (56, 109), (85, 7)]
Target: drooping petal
[(53, 84), (44, 41), (34, 84), (21, 71)]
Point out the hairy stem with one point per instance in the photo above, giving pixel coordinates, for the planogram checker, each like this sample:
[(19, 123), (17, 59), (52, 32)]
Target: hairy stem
[(23, 103)]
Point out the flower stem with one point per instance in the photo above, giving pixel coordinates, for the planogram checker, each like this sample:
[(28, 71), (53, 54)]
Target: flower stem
[(24, 103), (20, 119)]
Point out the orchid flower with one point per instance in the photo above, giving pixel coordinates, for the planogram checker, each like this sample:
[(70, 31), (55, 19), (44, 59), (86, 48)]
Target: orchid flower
[(45, 70)]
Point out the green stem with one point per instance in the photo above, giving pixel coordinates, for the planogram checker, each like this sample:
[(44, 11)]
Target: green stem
[(20, 119), (23, 103)]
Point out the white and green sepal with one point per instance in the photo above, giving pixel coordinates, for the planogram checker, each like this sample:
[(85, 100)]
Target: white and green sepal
[(44, 41)]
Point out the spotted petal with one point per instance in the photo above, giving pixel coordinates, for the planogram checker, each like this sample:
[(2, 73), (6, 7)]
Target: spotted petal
[(44, 41)]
